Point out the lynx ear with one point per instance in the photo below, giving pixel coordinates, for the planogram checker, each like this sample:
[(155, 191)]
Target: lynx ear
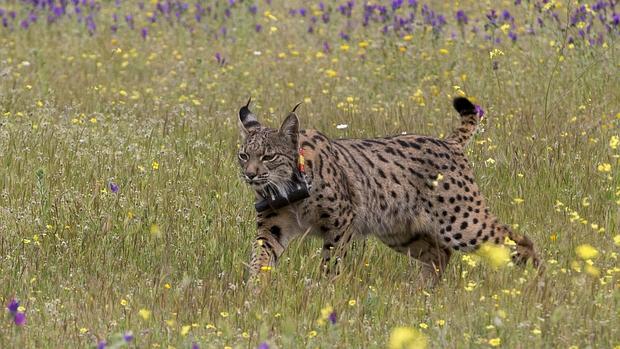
[(247, 119), (290, 127)]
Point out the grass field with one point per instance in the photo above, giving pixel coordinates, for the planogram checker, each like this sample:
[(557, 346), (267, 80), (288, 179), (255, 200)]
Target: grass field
[(123, 221)]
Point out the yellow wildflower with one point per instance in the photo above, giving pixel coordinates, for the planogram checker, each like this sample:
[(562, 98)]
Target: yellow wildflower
[(407, 338), (592, 270), (604, 167), (155, 231), (495, 342), (496, 255), (586, 251), (496, 52), (326, 311), (144, 314)]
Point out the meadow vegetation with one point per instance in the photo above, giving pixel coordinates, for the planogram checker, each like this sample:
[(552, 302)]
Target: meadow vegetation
[(123, 220)]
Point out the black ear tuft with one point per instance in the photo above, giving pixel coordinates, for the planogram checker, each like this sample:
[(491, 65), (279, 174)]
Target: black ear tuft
[(295, 107), (464, 106), (246, 117)]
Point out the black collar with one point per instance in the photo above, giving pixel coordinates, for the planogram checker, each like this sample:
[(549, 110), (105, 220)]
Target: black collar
[(301, 191), (277, 201)]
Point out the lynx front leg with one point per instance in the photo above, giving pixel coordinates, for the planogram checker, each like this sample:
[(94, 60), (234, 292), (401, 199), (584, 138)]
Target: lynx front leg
[(335, 246), (275, 230)]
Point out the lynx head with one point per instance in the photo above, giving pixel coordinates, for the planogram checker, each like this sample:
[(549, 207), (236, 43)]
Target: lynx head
[(267, 156)]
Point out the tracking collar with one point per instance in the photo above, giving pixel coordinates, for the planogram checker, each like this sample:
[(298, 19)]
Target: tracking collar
[(301, 191)]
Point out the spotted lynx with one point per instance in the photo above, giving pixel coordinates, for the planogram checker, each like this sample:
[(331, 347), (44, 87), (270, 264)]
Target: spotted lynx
[(416, 194)]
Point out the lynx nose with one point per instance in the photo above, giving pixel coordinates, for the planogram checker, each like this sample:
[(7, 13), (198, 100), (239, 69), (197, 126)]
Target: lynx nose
[(250, 175)]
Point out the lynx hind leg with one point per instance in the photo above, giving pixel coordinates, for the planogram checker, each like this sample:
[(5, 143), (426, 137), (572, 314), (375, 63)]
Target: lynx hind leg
[(433, 257), (434, 263)]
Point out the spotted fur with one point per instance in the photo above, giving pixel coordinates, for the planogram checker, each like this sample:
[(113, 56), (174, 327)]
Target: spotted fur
[(414, 193)]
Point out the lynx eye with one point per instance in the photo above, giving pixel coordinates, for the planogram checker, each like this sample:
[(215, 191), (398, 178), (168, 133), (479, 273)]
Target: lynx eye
[(243, 157), (267, 158)]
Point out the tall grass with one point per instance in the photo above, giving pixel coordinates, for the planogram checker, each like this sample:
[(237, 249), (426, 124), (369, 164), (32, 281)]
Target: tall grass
[(157, 117)]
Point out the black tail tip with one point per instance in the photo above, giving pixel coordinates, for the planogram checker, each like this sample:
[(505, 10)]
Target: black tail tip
[(464, 106)]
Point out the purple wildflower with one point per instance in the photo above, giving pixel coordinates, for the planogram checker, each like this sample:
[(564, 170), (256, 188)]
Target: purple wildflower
[(102, 344), (616, 19), (396, 4), (220, 59), (195, 345), (258, 28), (24, 24), (302, 12), (461, 17), (90, 24), (332, 318), (13, 306), (253, 9), (326, 47), (144, 33), (479, 111), (129, 20), (512, 35), (492, 16), (128, 336), (113, 187), (263, 345), (325, 17), (19, 318)]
